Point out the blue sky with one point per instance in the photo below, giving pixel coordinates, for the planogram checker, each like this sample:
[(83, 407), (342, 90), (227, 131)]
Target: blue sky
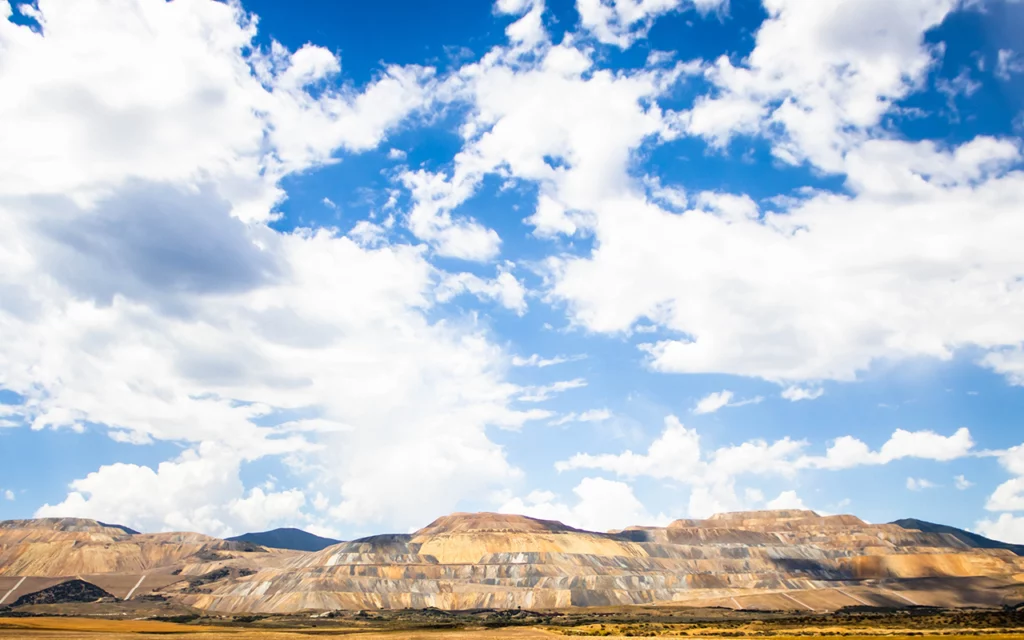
[(349, 267)]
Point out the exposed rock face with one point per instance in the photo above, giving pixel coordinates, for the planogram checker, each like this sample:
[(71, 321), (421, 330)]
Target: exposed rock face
[(777, 559), (56, 547), (466, 561)]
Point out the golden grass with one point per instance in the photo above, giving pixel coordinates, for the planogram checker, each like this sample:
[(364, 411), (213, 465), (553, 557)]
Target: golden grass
[(98, 629), (94, 629), (96, 625)]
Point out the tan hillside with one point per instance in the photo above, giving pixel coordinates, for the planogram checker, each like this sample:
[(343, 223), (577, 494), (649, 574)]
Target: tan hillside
[(35, 554), (466, 561), (769, 559)]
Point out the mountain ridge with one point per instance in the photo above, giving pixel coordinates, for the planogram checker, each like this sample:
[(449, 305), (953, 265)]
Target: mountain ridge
[(974, 539), (744, 560), (286, 538)]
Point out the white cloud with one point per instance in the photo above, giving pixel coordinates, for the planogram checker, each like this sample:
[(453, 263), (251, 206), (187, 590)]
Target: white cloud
[(591, 415), (1008, 362), (601, 505), (534, 116), (199, 491), (144, 143), (830, 296), (713, 402), (821, 73), (535, 360), (368, 234), (920, 484), (545, 392), (786, 500), (796, 394), (430, 219), (1009, 496), (396, 154), (622, 22), (1006, 528), (185, 106), (677, 455), (721, 399), (8, 494), (847, 452), (962, 483), (1013, 460), (826, 309), (505, 288), (1008, 63)]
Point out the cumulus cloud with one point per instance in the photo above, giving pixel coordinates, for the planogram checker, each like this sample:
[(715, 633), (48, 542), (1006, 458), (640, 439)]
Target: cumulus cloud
[(817, 322), (676, 454), (786, 500), (144, 145), (830, 297), (1008, 496), (821, 73), (198, 491), (505, 288), (847, 452), (962, 483), (144, 153), (601, 505), (622, 22), (8, 494), (1006, 528)]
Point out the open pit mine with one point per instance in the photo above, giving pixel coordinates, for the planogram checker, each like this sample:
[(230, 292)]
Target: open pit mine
[(766, 560)]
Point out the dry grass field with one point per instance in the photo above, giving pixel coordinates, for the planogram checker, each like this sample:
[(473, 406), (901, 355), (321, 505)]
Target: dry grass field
[(98, 629), (92, 629)]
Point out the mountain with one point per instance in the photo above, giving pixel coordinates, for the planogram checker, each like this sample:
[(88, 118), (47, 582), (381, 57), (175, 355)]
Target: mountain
[(287, 538), (780, 560), (971, 539), (790, 559)]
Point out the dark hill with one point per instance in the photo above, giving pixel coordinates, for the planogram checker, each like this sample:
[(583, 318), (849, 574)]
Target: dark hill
[(973, 539), (131, 532), (70, 591), (288, 538)]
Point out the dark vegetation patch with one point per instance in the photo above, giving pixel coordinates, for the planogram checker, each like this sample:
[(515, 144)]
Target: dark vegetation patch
[(65, 592), (180, 619), (194, 584)]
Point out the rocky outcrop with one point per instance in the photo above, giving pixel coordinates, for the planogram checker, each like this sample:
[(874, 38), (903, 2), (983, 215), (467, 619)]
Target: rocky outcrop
[(467, 561), (56, 547)]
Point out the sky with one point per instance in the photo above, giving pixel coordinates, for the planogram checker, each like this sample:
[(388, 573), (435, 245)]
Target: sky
[(352, 266)]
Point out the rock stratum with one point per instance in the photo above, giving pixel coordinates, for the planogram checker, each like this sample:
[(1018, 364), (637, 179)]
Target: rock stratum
[(751, 560)]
